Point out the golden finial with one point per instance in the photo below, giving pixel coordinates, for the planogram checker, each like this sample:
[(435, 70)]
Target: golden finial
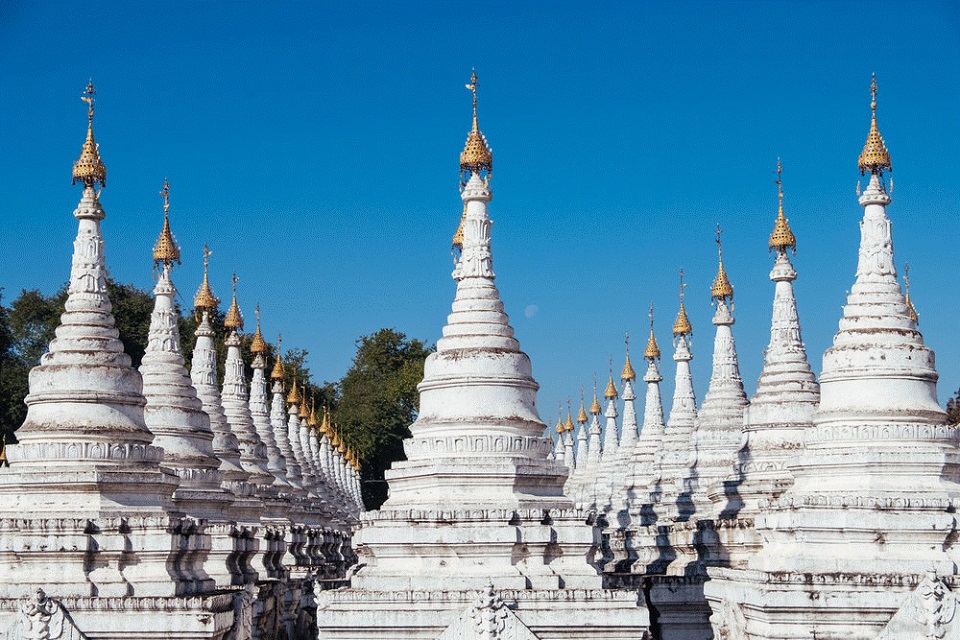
[(89, 168), (205, 300), (476, 156), (611, 391), (293, 398), (595, 407), (582, 415), (874, 157), (342, 447), (234, 319), (458, 234), (325, 425), (911, 311), (682, 326), (312, 421), (166, 251), (335, 438), (258, 344), (722, 289), (3, 452), (560, 427), (277, 373), (569, 425), (304, 412), (628, 373), (652, 352), (782, 237)]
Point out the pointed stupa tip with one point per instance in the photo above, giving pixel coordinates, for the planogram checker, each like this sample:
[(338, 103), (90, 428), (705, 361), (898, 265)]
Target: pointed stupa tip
[(652, 352), (911, 310), (628, 373), (682, 326), (560, 428), (476, 155), (782, 237), (721, 289), (611, 391), (312, 421), (205, 301), (874, 158), (569, 426), (166, 251), (582, 416), (304, 413), (595, 407), (234, 319), (89, 168), (325, 425), (293, 397), (457, 240), (258, 344)]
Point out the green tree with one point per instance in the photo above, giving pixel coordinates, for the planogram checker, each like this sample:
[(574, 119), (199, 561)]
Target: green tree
[(953, 409), (378, 403)]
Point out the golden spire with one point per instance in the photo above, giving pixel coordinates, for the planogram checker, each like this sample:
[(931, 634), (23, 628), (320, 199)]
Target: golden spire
[(3, 452), (722, 289), (874, 157), (582, 415), (476, 156), (89, 168), (166, 251), (458, 235), (342, 447), (258, 344), (304, 412), (294, 396), (234, 319), (682, 326), (205, 300), (569, 424), (560, 427), (595, 407), (277, 373), (652, 352), (911, 311), (628, 373), (782, 237), (335, 438), (611, 391), (312, 421), (325, 425)]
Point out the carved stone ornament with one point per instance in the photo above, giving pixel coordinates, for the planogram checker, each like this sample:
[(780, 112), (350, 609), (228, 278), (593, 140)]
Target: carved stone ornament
[(929, 613), (488, 619), (43, 618)]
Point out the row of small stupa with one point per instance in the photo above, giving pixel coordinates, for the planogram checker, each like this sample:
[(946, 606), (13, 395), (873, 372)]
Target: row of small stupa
[(813, 509), (214, 508)]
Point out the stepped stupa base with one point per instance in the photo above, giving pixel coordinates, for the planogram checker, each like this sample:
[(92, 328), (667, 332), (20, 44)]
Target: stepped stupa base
[(537, 614)]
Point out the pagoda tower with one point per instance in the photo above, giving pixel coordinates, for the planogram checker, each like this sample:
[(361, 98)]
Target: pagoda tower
[(476, 515), (86, 511), (787, 392), (865, 537), (720, 419)]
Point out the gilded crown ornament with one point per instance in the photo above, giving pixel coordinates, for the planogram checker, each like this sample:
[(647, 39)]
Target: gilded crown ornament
[(312, 420), (722, 289), (277, 373), (595, 407), (911, 310), (476, 156), (258, 344), (782, 237), (560, 428), (293, 398), (234, 319), (325, 424), (582, 414), (611, 391), (874, 158), (457, 241), (89, 168), (166, 251), (682, 326), (304, 413), (205, 301), (628, 373), (652, 352), (569, 424)]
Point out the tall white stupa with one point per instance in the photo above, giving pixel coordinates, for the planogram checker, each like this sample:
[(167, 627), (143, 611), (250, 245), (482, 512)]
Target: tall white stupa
[(477, 531)]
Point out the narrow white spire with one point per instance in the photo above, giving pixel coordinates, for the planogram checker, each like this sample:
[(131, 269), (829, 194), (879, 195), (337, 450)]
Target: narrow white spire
[(236, 406)]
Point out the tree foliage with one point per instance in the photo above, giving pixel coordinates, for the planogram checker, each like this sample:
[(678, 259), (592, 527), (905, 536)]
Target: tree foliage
[(378, 403), (953, 409)]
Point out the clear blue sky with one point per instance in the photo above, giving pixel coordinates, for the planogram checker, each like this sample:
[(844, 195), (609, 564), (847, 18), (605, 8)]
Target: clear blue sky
[(315, 147)]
